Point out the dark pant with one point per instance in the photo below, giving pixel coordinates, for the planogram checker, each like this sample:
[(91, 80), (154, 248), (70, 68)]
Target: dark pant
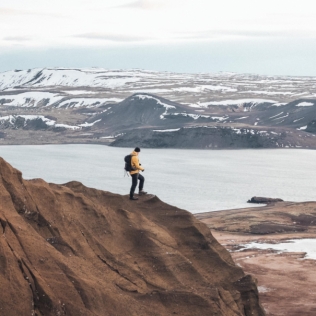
[(135, 178)]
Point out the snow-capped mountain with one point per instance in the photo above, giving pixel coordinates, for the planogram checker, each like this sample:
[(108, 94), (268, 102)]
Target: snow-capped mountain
[(97, 105), (197, 90), (58, 100), (63, 77)]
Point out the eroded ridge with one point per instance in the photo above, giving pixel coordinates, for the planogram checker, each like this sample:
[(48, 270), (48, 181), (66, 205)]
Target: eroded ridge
[(72, 250)]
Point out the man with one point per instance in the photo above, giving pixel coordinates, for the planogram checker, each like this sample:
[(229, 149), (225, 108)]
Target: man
[(136, 166)]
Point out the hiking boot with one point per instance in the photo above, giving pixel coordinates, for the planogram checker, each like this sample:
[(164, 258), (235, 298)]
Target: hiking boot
[(142, 192), (133, 198)]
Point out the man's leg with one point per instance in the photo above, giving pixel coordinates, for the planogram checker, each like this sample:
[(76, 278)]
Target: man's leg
[(134, 185), (141, 184)]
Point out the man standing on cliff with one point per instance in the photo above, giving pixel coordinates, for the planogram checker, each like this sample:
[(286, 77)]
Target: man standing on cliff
[(136, 166)]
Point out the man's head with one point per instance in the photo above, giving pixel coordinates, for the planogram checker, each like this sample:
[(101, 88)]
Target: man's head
[(137, 150)]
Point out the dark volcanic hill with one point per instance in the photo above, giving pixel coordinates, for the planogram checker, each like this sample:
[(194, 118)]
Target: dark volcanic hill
[(141, 110), (263, 125), (72, 250), (148, 120)]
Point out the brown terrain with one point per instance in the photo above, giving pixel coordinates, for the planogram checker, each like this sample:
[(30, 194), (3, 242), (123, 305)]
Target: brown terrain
[(73, 250), (286, 283)]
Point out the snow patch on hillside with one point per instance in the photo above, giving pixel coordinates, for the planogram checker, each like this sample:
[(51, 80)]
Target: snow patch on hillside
[(67, 77), (268, 92), (305, 104), (165, 105), (12, 119), (238, 102), (202, 88), (86, 102), (72, 127), (76, 92), (51, 123), (30, 99), (276, 115), (166, 130), (242, 118), (85, 124), (37, 98)]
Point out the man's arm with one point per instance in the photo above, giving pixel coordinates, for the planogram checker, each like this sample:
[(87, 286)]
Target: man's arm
[(135, 163)]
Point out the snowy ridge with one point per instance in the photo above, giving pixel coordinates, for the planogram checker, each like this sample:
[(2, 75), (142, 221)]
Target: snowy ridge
[(197, 116), (30, 99), (37, 99), (165, 105), (205, 85), (66, 78), (238, 102), (13, 119), (99, 103), (202, 88), (86, 102)]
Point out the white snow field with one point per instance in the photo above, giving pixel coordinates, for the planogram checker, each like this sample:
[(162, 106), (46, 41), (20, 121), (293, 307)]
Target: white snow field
[(30, 87), (31, 99)]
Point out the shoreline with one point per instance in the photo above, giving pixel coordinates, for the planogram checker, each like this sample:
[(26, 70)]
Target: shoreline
[(286, 280), (108, 143)]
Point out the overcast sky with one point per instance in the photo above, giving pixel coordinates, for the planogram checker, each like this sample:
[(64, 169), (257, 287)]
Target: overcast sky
[(246, 36)]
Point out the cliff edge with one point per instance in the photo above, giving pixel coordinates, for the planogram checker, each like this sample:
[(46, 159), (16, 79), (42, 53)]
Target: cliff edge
[(72, 250)]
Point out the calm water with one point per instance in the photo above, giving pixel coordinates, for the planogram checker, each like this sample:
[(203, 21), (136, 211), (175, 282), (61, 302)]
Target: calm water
[(196, 180), (293, 245)]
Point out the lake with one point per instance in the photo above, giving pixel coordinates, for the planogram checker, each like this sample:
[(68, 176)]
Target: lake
[(196, 180)]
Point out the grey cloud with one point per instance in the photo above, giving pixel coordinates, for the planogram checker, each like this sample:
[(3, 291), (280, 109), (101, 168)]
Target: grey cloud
[(134, 5), (10, 12), (193, 36), (144, 5), (17, 38), (112, 37), (213, 34)]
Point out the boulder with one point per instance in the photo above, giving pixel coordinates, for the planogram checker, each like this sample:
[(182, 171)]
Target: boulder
[(263, 200)]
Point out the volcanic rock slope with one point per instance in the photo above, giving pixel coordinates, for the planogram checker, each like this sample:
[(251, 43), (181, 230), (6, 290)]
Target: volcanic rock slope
[(72, 250)]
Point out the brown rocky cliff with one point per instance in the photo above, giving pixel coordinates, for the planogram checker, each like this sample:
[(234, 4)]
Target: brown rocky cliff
[(72, 250)]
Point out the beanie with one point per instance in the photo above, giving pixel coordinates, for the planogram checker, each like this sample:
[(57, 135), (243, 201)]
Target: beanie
[(137, 149)]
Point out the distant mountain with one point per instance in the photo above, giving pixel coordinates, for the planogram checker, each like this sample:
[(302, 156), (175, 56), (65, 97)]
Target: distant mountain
[(142, 110), (53, 99), (159, 109), (64, 77)]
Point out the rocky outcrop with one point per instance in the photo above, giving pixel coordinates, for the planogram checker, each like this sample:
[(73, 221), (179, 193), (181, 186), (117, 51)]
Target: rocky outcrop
[(278, 272), (311, 127), (282, 218), (263, 200), (72, 250)]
